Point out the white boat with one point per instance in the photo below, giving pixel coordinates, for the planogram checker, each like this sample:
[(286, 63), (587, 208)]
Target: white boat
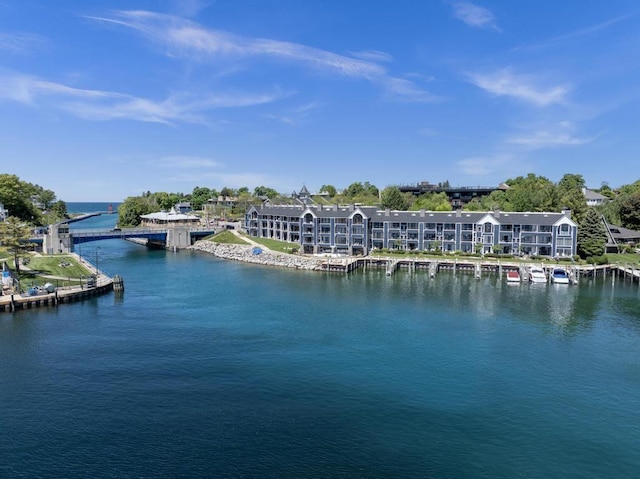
[(559, 276), (537, 275), (513, 276)]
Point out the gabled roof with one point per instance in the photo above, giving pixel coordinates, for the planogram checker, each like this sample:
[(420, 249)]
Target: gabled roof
[(592, 195), (376, 214), (169, 216), (620, 233), (533, 218)]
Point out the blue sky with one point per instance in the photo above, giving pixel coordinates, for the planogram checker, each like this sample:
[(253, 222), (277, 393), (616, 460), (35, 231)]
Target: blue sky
[(106, 99)]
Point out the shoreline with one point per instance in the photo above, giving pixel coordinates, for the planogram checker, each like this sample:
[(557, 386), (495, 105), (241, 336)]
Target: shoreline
[(244, 253)]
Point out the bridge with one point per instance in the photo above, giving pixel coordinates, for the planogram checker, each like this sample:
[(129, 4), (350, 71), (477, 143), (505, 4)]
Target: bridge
[(60, 239)]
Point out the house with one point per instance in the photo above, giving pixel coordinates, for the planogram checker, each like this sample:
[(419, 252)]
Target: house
[(593, 198), (4, 213), (183, 207), (355, 229), (617, 235)]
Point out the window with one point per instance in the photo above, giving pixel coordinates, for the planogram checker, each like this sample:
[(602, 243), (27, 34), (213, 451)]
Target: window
[(564, 230)]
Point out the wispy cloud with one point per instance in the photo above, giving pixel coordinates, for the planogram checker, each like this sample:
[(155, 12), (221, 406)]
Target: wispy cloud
[(184, 38), (185, 162), (522, 87), (561, 134), (474, 16), (373, 56), (590, 30), (106, 105), (482, 166), (294, 116), (190, 8), (20, 43)]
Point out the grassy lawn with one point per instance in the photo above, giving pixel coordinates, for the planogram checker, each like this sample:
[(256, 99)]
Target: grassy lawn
[(227, 237), (623, 258), (56, 265), (275, 245)]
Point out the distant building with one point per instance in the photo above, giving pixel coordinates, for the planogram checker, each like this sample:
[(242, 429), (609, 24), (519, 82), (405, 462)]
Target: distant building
[(171, 218), (458, 196), (4, 213), (223, 201), (617, 235), (593, 198), (353, 230), (183, 207), (303, 197)]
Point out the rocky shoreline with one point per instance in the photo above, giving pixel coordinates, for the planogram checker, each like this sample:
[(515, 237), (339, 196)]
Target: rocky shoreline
[(245, 254)]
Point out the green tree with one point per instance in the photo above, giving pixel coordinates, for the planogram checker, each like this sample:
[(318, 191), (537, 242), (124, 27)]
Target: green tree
[(530, 193), (59, 208), (132, 208), (592, 235), (44, 197), (354, 189), (330, 190), (570, 195), (14, 234), (629, 205), (265, 191), (199, 196), (432, 202), (15, 195), (226, 191), (393, 199)]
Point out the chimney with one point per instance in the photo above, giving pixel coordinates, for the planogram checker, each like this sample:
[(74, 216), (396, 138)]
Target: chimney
[(422, 213), (387, 211), (496, 213), (458, 213), (567, 212)]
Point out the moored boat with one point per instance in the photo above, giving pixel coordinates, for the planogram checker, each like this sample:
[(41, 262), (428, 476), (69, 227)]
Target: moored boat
[(559, 276), (513, 276), (537, 275)]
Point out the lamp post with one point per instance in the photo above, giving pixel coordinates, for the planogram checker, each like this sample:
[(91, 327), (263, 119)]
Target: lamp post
[(97, 268)]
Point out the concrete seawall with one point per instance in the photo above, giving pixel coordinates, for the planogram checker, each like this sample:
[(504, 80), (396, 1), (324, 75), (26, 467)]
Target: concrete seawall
[(13, 302)]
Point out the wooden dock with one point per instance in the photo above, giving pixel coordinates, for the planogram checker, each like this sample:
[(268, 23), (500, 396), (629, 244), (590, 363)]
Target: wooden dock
[(476, 267)]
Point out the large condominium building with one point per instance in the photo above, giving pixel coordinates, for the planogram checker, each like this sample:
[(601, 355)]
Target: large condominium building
[(357, 230)]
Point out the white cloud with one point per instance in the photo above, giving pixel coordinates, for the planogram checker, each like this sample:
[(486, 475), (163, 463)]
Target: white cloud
[(482, 166), (561, 134), (521, 87), (106, 105), (185, 162), (184, 38), (373, 56), (474, 16), (18, 43)]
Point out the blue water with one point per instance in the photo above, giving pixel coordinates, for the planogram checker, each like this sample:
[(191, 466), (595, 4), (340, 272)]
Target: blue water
[(91, 207), (207, 368)]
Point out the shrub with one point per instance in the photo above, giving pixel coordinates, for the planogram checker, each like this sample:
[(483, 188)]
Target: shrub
[(598, 260)]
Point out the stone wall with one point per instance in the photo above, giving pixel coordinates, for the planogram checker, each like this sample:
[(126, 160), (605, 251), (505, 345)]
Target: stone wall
[(268, 258)]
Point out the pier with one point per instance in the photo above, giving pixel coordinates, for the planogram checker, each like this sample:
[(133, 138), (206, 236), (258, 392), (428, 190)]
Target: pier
[(477, 268), (64, 294)]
